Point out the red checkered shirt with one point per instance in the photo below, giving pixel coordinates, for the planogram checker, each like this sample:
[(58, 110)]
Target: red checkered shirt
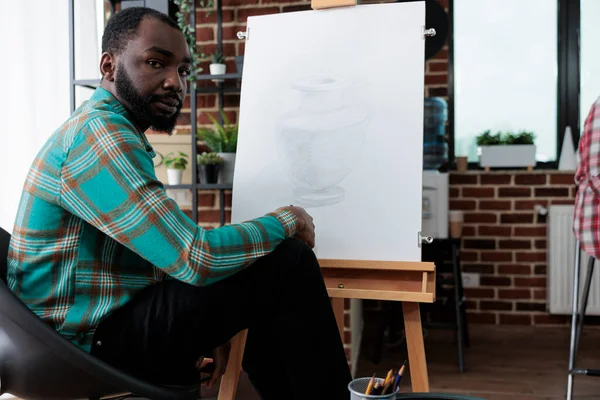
[(586, 222)]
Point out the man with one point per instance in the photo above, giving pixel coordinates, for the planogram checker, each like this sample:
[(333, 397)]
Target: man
[(586, 222), (104, 256)]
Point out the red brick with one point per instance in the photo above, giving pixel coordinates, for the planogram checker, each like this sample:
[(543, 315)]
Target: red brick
[(524, 294), (562, 202), (531, 257), (202, 101), (529, 204), (480, 217), (241, 47), (442, 54), (494, 230), (347, 337), (231, 100), (471, 305), (551, 192), (540, 269), (530, 282), (244, 13), (462, 179), (203, 118), (540, 244), (540, 307), (495, 281), (515, 319), (466, 255), (205, 34), (479, 268), (206, 200), (562, 179), (514, 192), (547, 319), (514, 269), (438, 79), (496, 256), (478, 192), (208, 49), (479, 293), (495, 179), (183, 119), (573, 192), (453, 192), (494, 205), (468, 231), (530, 231), (203, 18), (437, 66), (519, 218), (530, 179), (515, 244), (480, 244), (235, 3), (481, 318), (496, 305), (540, 294), (437, 91), (463, 204), (212, 216), (347, 320)]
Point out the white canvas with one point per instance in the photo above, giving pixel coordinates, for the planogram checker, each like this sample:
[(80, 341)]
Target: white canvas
[(331, 119)]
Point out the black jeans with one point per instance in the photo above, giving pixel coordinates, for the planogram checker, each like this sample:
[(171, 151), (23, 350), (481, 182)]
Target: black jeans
[(293, 349)]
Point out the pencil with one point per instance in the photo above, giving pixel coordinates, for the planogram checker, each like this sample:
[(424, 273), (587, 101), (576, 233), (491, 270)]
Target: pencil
[(388, 377), (399, 376), (370, 385)]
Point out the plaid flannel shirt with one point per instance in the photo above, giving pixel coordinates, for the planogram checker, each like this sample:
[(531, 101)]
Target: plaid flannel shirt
[(586, 221), (94, 226)]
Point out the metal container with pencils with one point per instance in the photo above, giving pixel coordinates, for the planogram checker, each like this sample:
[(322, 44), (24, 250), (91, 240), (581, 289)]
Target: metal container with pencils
[(358, 387)]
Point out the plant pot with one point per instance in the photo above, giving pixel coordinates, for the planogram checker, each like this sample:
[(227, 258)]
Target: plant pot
[(507, 156), (174, 176), (209, 174), (227, 168), (321, 140), (217, 69)]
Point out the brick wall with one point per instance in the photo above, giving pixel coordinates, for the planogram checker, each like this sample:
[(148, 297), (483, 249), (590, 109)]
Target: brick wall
[(504, 240)]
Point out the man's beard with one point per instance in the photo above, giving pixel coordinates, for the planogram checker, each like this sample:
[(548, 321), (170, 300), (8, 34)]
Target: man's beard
[(141, 108)]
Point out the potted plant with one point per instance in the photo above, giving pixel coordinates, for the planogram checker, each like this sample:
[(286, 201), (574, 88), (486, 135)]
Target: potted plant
[(217, 65), (175, 162), (209, 164), (222, 139), (506, 149)]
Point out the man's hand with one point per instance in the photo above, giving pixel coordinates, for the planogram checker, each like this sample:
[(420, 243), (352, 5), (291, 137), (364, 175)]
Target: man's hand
[(306, 227), (221, 357)]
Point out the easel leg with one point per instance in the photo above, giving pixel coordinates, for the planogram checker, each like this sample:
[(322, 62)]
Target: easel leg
[(337, 304), (231, 377), (416, 348)]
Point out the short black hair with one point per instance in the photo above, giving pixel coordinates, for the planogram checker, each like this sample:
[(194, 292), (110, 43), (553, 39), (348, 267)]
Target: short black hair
[(122, 26)]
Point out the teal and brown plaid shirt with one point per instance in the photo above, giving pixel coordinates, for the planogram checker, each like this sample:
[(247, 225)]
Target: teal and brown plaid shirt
[(94, 226)]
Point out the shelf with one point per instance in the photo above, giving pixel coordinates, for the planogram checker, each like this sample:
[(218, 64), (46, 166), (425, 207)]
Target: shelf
[(211, 186), (217, 90), (183, 186), (209, 77), (89, 83)]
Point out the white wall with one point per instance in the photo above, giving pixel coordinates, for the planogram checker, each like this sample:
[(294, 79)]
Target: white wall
[(35, 83)]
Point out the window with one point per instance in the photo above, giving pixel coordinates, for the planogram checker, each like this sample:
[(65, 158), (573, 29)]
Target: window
[(589, 57), (506, 71)]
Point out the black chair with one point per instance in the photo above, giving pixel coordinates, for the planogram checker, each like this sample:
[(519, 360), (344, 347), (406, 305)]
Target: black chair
[(37, 363)]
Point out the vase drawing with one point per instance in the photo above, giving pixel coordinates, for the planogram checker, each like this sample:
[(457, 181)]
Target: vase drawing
[(321, 140)]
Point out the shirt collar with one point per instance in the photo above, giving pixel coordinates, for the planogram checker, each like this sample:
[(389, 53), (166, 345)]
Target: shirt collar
[(102, 97)]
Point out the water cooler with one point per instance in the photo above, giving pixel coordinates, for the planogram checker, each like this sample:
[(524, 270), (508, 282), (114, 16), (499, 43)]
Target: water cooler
[(435, 184)]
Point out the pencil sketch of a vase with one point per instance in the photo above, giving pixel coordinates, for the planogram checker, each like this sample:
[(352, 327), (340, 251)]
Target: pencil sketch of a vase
[(321, 140)]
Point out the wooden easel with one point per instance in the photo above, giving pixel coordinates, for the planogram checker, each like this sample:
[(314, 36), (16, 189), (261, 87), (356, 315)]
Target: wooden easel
[(411, 283)]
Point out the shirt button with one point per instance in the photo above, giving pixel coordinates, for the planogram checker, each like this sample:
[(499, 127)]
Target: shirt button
[(99, 343)]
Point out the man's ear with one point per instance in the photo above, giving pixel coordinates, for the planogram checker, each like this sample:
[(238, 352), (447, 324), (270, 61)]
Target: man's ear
[(108, 66)]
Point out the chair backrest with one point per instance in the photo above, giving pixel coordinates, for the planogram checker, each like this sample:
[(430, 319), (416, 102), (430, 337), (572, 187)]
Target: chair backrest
[(4, 241)]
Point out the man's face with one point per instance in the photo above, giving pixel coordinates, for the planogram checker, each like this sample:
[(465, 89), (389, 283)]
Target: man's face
[(151, 73)]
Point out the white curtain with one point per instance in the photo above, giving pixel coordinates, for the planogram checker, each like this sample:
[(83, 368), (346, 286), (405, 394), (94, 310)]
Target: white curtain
[(34, 42)]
